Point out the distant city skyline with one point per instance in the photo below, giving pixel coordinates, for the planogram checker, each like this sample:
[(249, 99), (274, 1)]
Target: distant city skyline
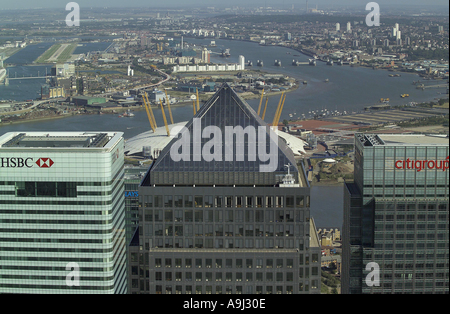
[(31, 4)]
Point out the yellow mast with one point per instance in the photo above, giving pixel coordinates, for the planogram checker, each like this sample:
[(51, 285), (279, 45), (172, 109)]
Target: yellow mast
[(265, 108), (164, 117), (198, 101), (151, 111), (279, 113), (260, 102), (278, 109), (148, 114), (168, 106), (193, 106)]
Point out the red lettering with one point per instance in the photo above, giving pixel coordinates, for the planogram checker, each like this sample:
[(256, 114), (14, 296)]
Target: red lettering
[(396, 164), (407, 163)]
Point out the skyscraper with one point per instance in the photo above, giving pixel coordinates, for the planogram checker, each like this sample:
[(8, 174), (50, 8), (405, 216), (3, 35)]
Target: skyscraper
[(395, 232), (242, 62), (205, 56), (62, 220), (338, 27), (222, 225)]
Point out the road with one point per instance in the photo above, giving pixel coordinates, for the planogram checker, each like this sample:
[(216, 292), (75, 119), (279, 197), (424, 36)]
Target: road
[(167, 78), (35, 104)]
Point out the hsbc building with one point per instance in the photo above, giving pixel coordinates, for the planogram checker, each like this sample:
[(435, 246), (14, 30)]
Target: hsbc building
[(62, 214)]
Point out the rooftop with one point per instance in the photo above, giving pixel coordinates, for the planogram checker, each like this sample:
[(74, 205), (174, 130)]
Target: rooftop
[(402, 139), (59, 139), (417, 139), (223, 112)]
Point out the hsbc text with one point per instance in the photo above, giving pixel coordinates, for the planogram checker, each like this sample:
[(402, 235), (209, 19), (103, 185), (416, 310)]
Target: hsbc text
[(16, 162)]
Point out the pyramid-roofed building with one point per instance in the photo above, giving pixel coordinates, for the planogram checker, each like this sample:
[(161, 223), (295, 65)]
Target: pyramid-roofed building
[(248, 152), (237, 220)]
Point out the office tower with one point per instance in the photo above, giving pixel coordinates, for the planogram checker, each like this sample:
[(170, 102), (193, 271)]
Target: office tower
[(62, 213), (349, 26), (399, 35), (133, 176), (205, 56), (396, 215), (338, 27), (221, 226), (394, 32), (242, 62)]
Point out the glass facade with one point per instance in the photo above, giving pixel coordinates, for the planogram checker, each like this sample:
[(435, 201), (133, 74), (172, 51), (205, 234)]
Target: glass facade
[(396, 215), (195, 240), (62, 222)]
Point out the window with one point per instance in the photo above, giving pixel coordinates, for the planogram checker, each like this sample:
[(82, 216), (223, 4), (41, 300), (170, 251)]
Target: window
[(300, 201), (228, 201), (198, 201), (289, 201), (218, 201), (47, 189), (188, 201), (208, 201), (158, 201), (239, 201), (279, 201), (168, 201), (249, 201), (178, 201), (259, 201)]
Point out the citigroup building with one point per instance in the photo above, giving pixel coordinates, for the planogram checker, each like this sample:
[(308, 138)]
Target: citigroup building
[(396, 215)]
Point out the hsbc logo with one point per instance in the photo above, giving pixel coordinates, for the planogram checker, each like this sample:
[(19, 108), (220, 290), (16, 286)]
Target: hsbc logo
[(14, 162), (44, 162)]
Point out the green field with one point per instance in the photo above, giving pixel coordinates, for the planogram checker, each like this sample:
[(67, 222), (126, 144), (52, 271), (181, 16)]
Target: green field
[(48, 53), (67, 53)]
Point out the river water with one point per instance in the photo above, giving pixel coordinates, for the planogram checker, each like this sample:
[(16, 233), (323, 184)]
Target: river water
[(349, 88)]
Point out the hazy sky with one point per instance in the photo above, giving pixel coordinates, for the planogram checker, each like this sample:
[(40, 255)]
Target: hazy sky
[(29, 4)]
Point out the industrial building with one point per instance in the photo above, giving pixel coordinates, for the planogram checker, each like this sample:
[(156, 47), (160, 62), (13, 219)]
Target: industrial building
[(62, 218), (395, 232), (211, 67), (224, 226), (63, 70), (86, 100), (48, 92)]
